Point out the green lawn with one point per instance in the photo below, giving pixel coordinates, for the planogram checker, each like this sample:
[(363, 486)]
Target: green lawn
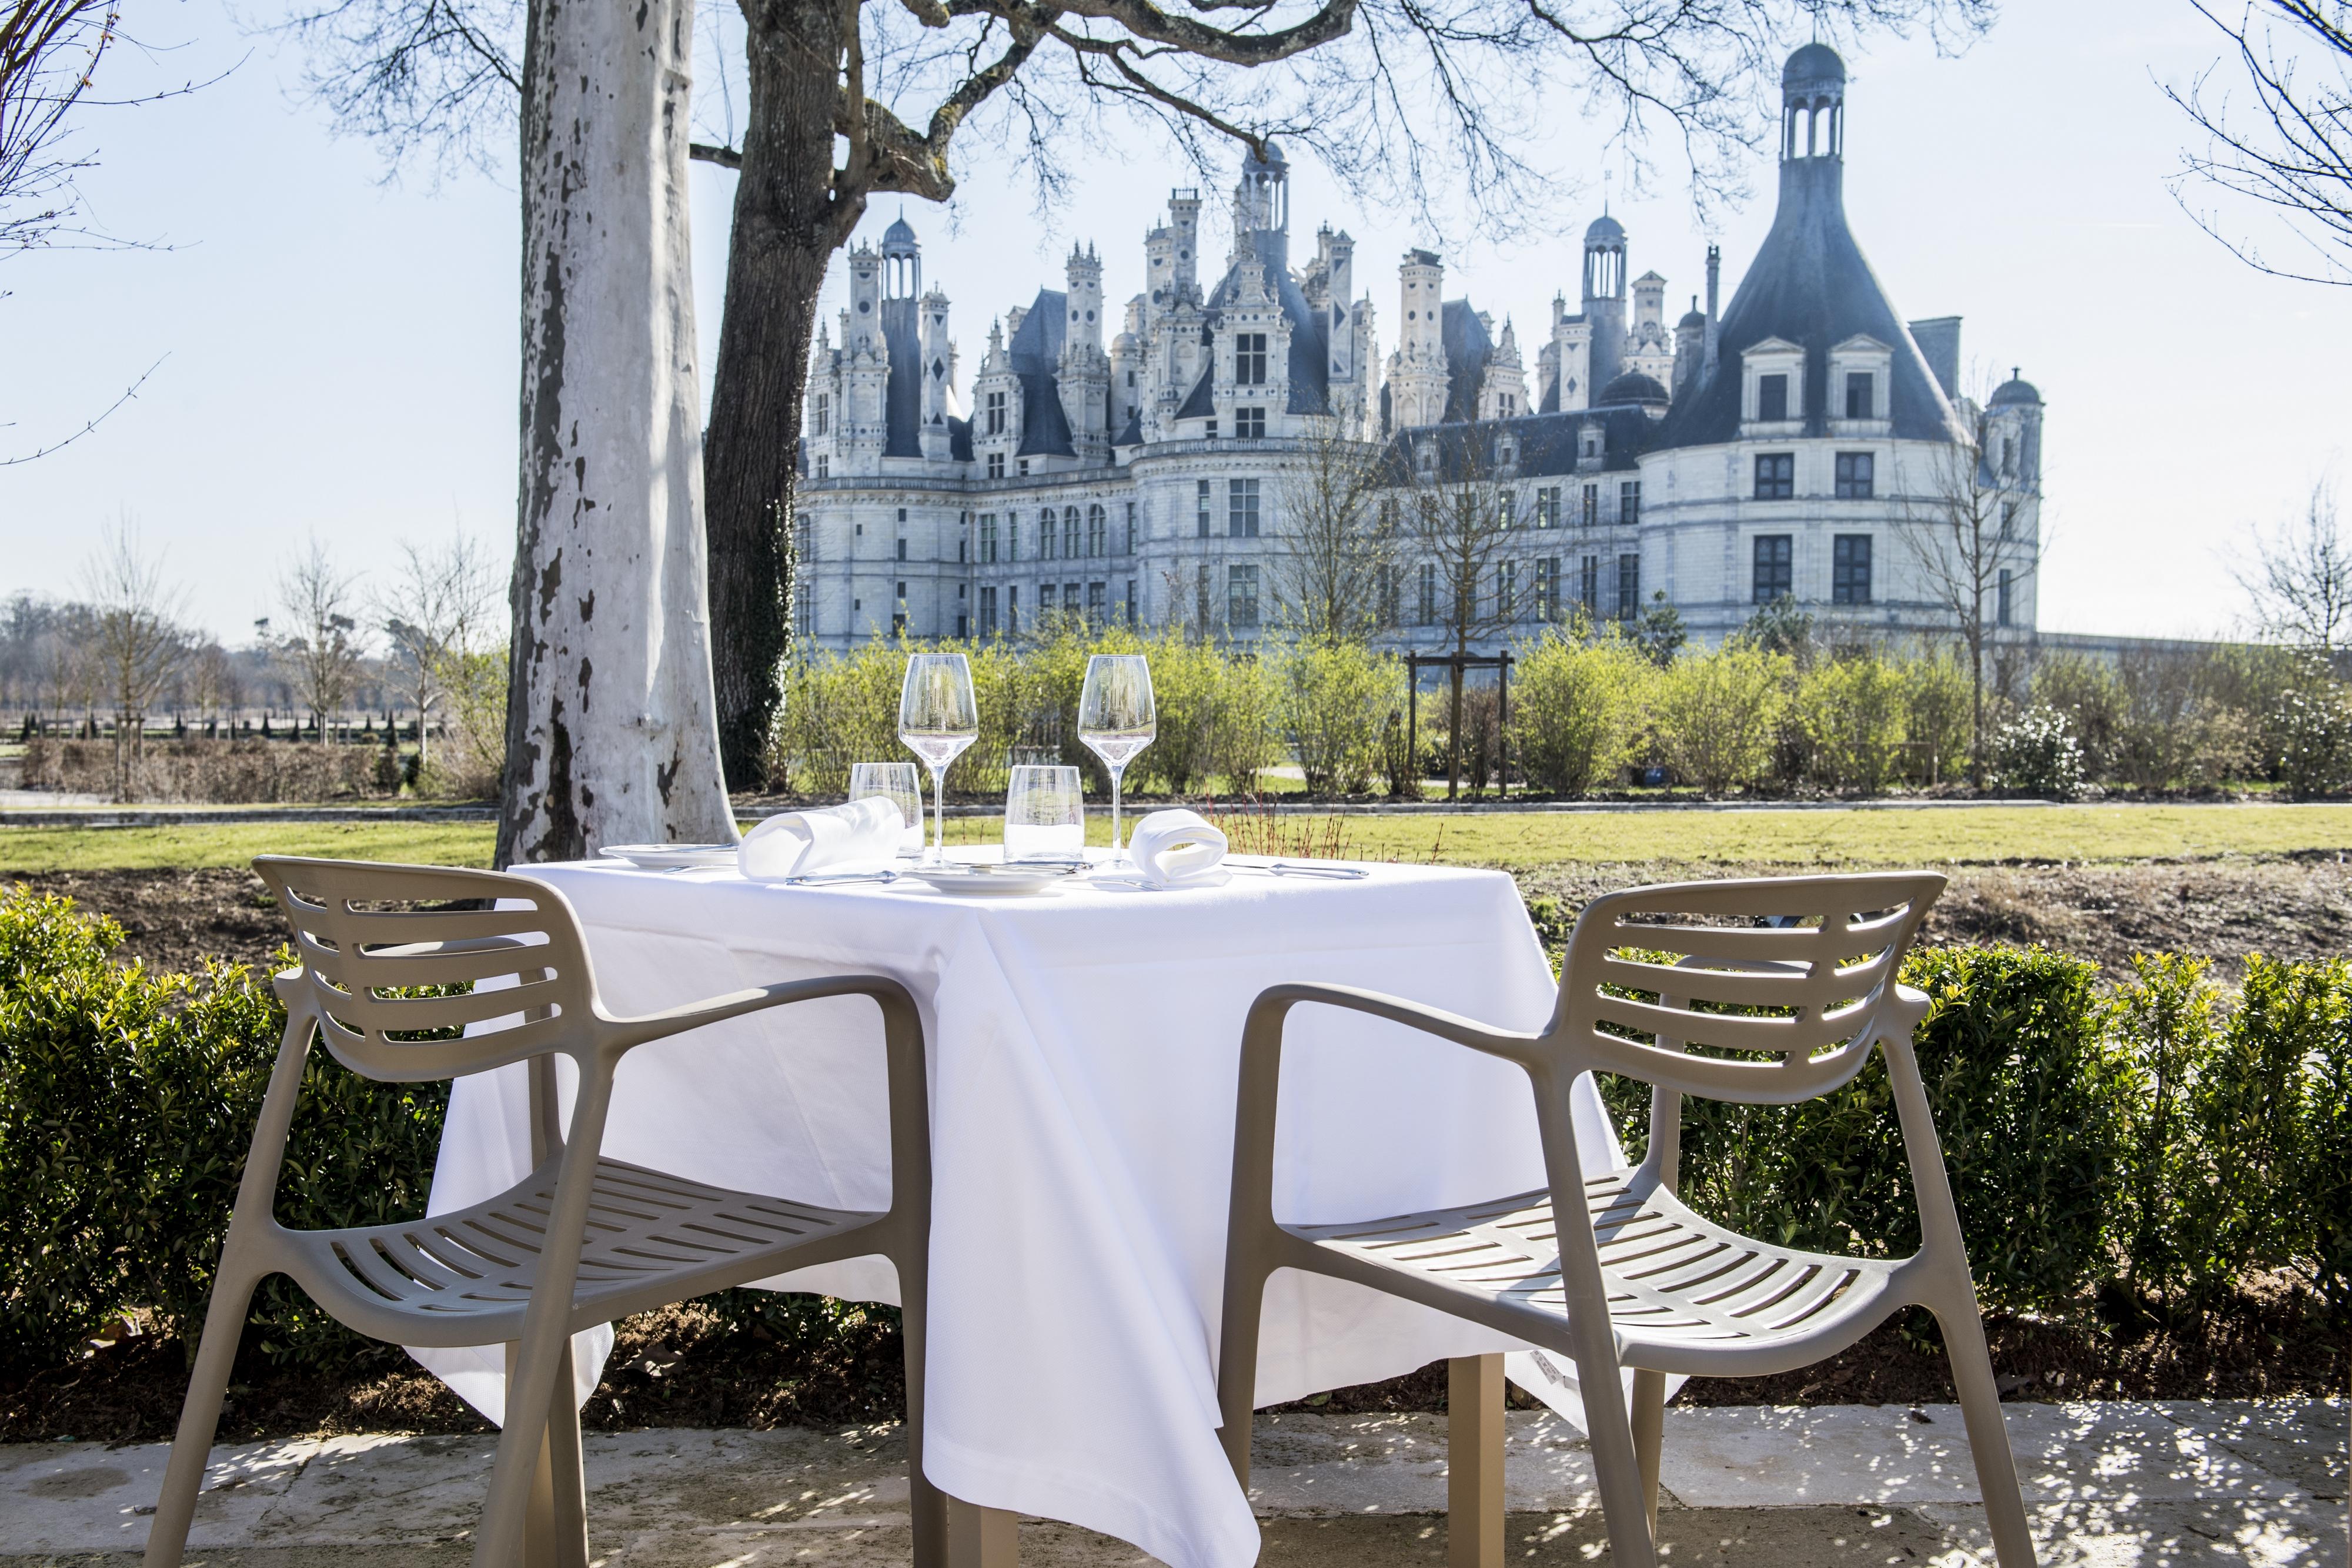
[(1763, 836)]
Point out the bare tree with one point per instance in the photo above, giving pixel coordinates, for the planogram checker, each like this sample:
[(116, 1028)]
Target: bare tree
[(1973, 532), (435, 615), (1339, 541), (1405, 104), (49, 52), (2293, 154), (136, 643), (323, 647), (1457, 521), (2299, 578)]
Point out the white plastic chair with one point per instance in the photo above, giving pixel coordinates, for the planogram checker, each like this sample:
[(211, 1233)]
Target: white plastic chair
[(584, 1239), (1640, 1281)]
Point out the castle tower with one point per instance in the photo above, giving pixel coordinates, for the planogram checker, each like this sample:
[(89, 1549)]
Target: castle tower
[(1569, 359), (938, 374), (1503, 393), (1604, 297), (1262, 208), (1084, 370), (1418, 377), (1690, 348), (1336, 257), (864, 368), (1126, 368)]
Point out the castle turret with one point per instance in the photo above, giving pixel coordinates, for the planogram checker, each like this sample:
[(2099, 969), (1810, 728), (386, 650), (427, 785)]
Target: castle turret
[(1690, 347), (1604, 297), (938, 374), (1262, 208), (1085, 371), (1335, 253), (1418, 378), (1127, 357), (865, 415), (1503, 393), (1569, 357)]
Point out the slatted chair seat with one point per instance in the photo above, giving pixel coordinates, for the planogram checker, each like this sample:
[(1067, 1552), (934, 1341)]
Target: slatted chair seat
[(1685, 1295), (466, 1277)]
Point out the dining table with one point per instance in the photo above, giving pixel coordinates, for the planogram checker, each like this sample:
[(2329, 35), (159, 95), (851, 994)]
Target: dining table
[(1084, 1045)]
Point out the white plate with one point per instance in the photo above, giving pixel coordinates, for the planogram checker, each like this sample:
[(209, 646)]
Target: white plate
[(991, 879), (670, 857)]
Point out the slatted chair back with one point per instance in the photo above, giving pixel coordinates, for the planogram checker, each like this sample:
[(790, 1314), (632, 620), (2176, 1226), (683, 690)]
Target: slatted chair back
[(369, 932), (1766, 991)]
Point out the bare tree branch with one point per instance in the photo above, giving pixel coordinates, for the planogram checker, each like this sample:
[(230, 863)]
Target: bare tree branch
[(2299, 578), (129, 392)]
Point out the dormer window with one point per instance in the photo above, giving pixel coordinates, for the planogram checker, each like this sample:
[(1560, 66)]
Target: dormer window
[(1772, 383), (824, 413), (1592, 441), (996, 414), (1506, 454), (1860, 371), (1772, 398), (1249, 359), (1859, 401), (1428, 458), (1249, 424)]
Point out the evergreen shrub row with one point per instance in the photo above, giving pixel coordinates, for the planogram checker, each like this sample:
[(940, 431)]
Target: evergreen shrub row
[(2169, 1138)]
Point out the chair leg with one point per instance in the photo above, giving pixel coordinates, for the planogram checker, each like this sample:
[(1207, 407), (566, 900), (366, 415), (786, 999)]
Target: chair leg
[(982, 1537), (518, 1516), (568, 1482), (1616, 1468), (1971, 1363), (927, 1505), (183, 1475), (1649, 1420), (1474, 1461), (1245, 1302)]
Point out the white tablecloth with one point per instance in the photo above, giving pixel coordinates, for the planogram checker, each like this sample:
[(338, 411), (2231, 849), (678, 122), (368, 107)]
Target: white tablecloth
[(1083, 1048)]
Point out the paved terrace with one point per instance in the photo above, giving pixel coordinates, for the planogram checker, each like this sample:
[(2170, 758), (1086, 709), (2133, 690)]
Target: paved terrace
[(2156, 1483)]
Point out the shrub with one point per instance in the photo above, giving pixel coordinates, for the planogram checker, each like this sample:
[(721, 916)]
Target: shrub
[(1333, 697), (1577, 710), (2165, 1025), (1936, 698), (2036, 753), (211, 772), (2091, 696), (126, 1102), (2312, 731), (1240, 729), (838, 710), (1852, 710), (1716, 714)]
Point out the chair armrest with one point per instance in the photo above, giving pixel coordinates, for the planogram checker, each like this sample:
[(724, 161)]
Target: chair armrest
[(1510, 1044), (629, 1033)]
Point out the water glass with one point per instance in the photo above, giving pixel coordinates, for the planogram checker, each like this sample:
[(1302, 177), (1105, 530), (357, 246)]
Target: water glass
[(1116, 720), (897, 783), (938, 718), (1044, 820)]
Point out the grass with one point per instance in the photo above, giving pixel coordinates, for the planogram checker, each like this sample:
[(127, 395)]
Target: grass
[(1991, 835)]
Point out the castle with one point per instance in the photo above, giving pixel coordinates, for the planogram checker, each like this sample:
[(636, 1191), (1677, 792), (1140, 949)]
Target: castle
[(1783, 448)]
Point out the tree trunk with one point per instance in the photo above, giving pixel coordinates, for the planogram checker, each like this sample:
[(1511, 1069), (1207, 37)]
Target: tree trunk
[(1453, 726), (610, 721), (784, 232), (1976, 712)]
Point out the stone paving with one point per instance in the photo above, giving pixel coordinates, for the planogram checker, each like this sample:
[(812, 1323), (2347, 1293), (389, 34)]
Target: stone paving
[(2255, 1482)]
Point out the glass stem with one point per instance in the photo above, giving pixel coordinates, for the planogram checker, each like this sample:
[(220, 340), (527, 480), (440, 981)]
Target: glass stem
[(1116, 774), (940, 813)]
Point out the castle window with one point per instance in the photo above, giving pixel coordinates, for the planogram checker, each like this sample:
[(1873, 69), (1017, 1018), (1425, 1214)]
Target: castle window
[(902, 549), (1860, 400), (1547, 507), (1024, 466), (988, 540), (1506, 405), (1629, 503), (1249, 424), (1588, 588), (1209, 429), (2000, 616), (1591, 515), (996, 417), (1629, 586), (1426, 604), (1546, 604), (1012, 610), (1506, 589), (1856, 471), (1385, 594), (1850, 568), (824, 466), (1771, 398), (2008, 517), (1128, 546), (1249, 359), (1044, 542), (1201, 599), (1776, 475), (1507, 509), (1428, 458), (1200, 507), (1775, 572), (1241, 596), (1097, 597), (1044, 601), (824, 413), (1240, 509), (996, 464), (1097, 530), (1504, 454), (1069, 533)]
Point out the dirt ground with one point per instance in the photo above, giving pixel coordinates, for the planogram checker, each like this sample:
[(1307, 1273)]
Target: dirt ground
[(676, 1368)]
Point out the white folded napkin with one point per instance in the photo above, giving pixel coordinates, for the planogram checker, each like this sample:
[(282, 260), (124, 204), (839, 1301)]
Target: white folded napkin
[(1175, 846), (836, 838)]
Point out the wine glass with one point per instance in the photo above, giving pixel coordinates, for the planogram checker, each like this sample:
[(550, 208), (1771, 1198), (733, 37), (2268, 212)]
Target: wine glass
[(1044, 818), (1115, 720), (897, 783), (938, 717)]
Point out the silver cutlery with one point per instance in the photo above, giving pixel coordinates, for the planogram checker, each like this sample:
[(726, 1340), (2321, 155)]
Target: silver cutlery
[(824, 878), (1283, 868)]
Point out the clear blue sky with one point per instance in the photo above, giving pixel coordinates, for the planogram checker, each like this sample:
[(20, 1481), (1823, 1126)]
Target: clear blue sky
[(339, 354)]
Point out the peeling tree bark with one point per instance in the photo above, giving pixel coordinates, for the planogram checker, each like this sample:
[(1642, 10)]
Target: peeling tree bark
[(611, 728)]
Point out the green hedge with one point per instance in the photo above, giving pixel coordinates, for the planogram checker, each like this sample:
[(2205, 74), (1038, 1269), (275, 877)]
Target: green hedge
[(2167, 1138)]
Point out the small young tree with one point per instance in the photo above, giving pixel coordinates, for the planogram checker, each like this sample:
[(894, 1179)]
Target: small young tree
[(135, 641), (2299, 578), (436, 614), (1457, 516), (322, 649), (1339, 535), (1969, 527)]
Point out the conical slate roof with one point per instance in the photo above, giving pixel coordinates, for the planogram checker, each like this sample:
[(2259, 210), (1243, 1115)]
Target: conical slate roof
[(1810, 285)]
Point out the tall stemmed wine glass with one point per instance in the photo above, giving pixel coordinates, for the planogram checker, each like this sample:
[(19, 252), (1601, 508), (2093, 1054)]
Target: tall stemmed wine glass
[(1115, 720), (938, 717)]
